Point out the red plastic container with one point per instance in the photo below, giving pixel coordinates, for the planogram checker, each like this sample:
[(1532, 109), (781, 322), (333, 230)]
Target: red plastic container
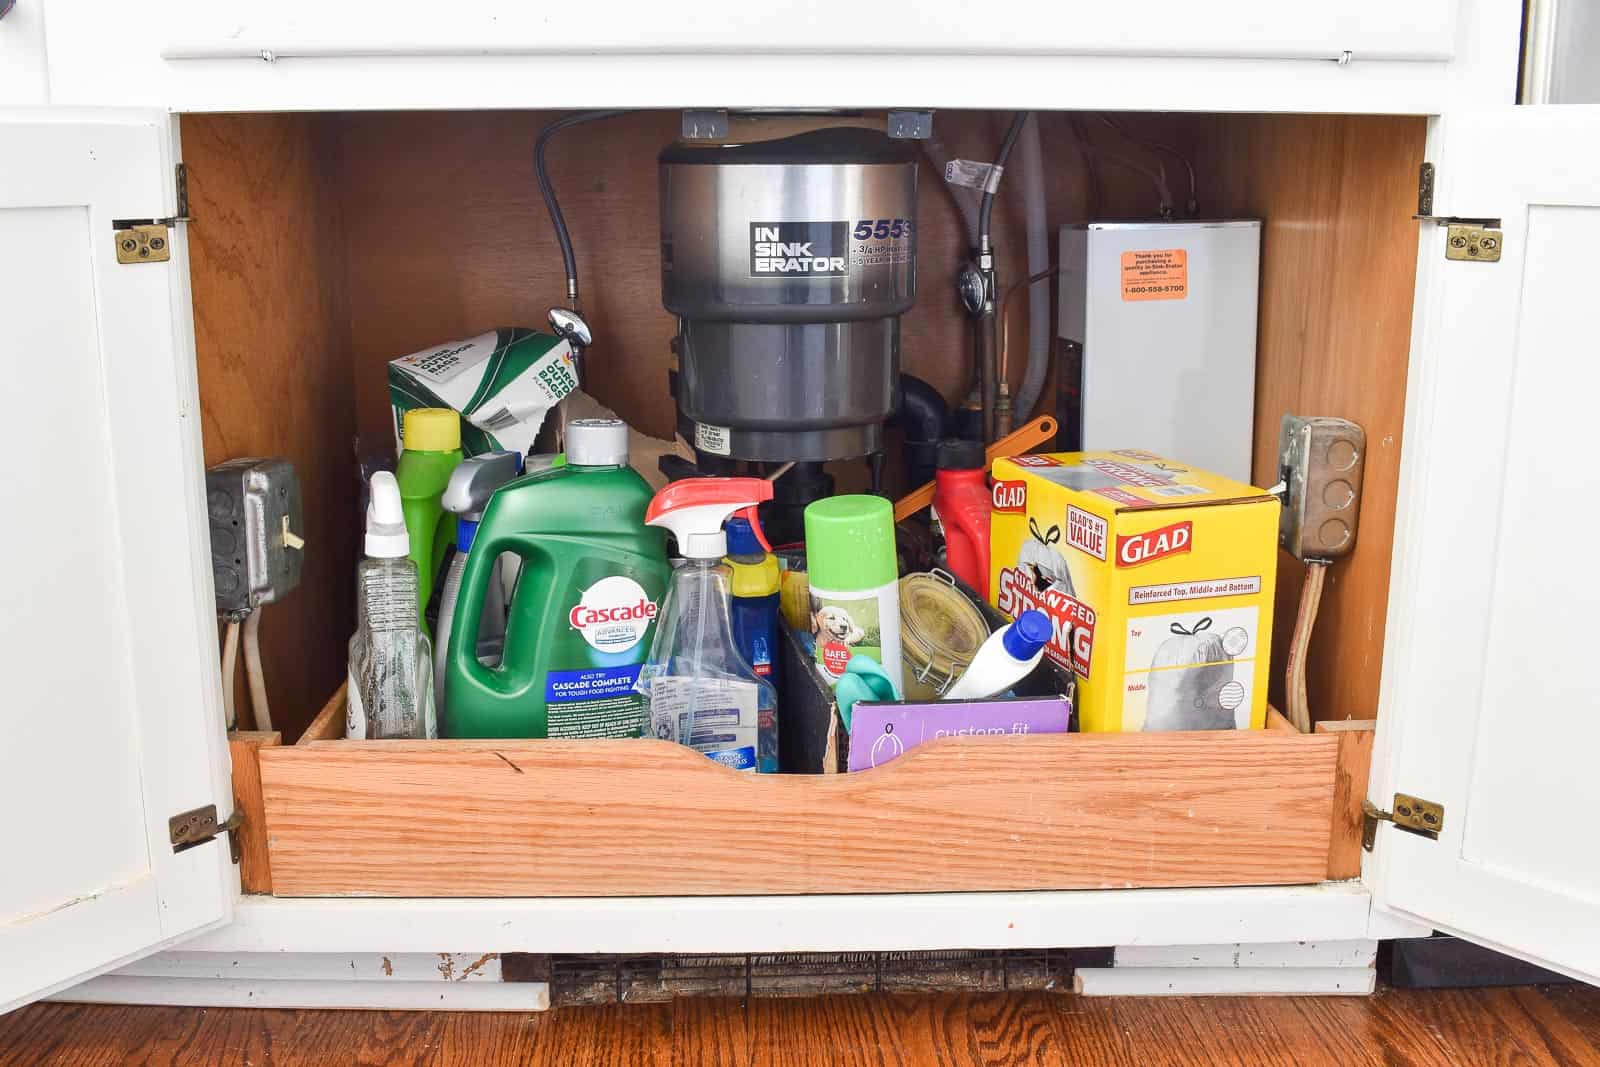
[(961, 500)]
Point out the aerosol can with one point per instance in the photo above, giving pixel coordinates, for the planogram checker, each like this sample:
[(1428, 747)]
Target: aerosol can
[(702, 691)]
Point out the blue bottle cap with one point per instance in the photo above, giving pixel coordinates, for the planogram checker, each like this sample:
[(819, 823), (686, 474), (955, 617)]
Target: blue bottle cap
[(1027, 635), (742, 539)]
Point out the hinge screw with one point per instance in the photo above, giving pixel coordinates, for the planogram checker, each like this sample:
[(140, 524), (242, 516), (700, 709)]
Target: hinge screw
[(1458, 241), (158, 243), (128, 244), (1488, 244)]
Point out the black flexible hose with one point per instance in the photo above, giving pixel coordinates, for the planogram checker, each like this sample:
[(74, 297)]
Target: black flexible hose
[(986, 207), (568, 260)]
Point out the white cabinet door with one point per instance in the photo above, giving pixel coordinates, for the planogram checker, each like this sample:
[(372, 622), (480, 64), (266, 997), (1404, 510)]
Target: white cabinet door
[(1491, 676), (109, 718), (1249, 55)]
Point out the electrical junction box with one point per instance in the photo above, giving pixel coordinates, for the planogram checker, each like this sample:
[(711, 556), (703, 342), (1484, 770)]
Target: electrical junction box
[(256, 521), (1321, 460), (1165, 314)]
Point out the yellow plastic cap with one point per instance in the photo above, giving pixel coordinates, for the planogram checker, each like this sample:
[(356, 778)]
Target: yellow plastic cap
[(431, 430)]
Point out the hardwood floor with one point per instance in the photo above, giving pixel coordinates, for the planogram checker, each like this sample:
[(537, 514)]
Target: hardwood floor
[(1529, 1025)]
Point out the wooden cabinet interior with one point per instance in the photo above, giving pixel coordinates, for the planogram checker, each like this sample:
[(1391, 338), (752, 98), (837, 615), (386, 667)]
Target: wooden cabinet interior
[(326, 244)]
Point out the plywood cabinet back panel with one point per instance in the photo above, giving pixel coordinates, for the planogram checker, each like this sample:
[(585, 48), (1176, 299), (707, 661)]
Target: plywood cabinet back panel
[(1338, 275), (271, 328)]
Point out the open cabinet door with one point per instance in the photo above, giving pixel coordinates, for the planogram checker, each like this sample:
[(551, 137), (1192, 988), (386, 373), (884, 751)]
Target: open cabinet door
[(1491, 677), (109, 721)]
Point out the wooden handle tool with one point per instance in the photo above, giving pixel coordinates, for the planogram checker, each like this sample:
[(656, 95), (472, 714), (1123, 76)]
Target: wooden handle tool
[(1025, 437)]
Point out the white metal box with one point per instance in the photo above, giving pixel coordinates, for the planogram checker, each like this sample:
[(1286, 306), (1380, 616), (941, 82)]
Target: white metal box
[(1165, 313)]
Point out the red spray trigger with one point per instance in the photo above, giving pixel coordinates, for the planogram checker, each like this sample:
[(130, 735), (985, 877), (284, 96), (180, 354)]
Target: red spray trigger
[(695, 509), (750, 516)]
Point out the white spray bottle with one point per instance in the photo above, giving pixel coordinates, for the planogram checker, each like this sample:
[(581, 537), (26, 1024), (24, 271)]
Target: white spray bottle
[(702, 692)]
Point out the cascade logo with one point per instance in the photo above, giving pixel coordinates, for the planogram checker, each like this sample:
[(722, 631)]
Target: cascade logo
[(1011, 496), (809, 249), (613, 614), (1134, 549)]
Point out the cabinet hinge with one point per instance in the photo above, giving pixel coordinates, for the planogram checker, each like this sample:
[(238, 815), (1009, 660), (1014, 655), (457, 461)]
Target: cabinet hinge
[(190, 828), (146, 240), (1411, 814), (1469, 240)]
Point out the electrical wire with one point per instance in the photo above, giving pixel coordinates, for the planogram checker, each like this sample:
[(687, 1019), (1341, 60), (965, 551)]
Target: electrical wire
[(568, 259), (1298, 707), (252, 670), (230, 670), (1094, 200), (1192, 207), (1005, 320)]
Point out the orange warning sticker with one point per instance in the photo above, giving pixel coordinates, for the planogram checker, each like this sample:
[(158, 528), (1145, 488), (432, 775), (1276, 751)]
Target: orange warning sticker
[(1155, 274)]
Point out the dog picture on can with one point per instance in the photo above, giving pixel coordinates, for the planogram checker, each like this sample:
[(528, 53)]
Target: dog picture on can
[(844, 627)]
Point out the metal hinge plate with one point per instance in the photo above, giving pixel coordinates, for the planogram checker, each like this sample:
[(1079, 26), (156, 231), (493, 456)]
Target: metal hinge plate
[(190, 828), (1425, 191), (1411, 814), (1473, 244), (144, 243), (146, 240)]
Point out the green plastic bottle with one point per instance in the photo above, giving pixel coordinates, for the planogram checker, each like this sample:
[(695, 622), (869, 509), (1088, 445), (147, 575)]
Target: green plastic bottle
[(583, 616), (431, 450)]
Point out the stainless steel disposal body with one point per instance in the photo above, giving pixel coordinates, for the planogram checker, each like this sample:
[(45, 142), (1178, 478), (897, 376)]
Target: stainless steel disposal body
[(788, 264)]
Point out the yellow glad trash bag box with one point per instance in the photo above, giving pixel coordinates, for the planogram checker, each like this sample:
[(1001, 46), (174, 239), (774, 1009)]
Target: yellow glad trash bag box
[(1157, 576)]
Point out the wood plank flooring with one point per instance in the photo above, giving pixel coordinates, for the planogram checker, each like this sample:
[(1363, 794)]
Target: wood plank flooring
[(1529, 1025)]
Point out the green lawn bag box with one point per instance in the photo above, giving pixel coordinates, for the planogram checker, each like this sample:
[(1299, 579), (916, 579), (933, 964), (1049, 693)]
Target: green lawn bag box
[(502, 382)]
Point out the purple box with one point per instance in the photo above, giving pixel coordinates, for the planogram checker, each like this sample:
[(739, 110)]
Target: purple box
[(881, 732)]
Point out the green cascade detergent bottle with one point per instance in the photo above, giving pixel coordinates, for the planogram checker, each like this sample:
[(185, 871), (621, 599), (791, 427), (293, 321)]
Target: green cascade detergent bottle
[(583, 616), (430, 451)]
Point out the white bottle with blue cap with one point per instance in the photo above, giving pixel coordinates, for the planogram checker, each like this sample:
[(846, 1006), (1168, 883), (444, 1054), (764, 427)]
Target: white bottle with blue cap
[(1006, 658)]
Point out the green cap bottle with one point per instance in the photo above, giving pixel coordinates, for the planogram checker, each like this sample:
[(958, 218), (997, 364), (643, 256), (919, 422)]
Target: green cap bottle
[(853, 572)]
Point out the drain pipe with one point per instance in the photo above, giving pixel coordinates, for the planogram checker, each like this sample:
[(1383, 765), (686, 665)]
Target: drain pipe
[(1030, 161)]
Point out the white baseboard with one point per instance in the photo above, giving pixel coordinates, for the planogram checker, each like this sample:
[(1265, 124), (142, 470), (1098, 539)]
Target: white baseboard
[(1223, 981), (398, 995)]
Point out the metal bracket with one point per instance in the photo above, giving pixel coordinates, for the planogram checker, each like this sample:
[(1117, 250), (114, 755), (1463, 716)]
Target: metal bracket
[(1411, 814), (907, 125), (1425, 191), (704, 125), (146, 240), (190, 828), (1471, 243)]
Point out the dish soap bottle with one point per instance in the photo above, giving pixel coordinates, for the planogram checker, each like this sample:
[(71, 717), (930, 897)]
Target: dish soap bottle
[(389, 691), (702, 691), (580, 621)]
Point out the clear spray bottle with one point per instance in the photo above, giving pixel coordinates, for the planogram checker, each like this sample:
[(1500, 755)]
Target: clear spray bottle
[(390, 682), (702, 692)]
